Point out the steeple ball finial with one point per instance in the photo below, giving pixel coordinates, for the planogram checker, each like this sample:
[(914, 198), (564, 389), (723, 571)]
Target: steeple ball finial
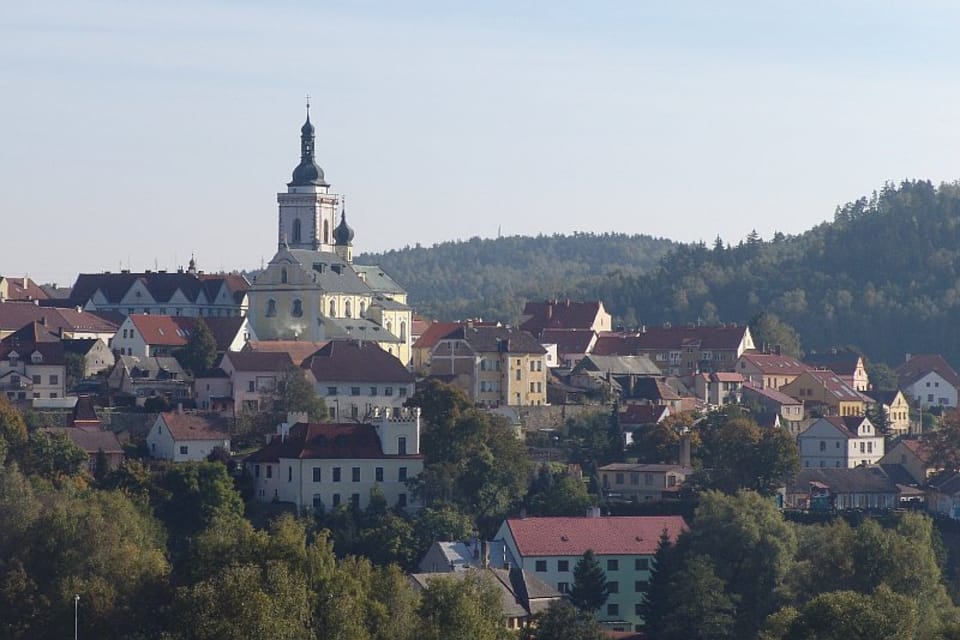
[(308, 172), (343, 234)]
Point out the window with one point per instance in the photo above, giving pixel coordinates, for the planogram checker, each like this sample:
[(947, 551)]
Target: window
[(638, 609), (251, 386), (355, 500), (331, 391), (519, 373), (373, 391), (640, 586), (402, 500), (54, 379), (619, 479), (356, 474), (613, 609), (333, 309), (37, 380), (271, 308), (378, 474), (297, 309), (648, 479), (283, 274), (402, 446), (316, 474), (183, 450), (317, 501), (533, 387), (336, 474), (563, 565), (388, 391), (823, 446), (641, 564), (563, 587), (354, 391), (402, 392), (402, 474), (613, 587), (347, 311), (289, 474), (269, 471), (296, 233), (613, 564), (336, 499), (533, 366), (541, 566), (256, 471)]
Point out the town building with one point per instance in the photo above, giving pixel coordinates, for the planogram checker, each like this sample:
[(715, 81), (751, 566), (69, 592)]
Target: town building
[(20, 289), (895, 406), (718, 388), (253, 377), (142, 378), (66, 323), (831, 489), (565, 315), (848, 365), (187, 437), (769, 370), (840, 442), (928, 380), (824, 393), (163, 335), (324, 465), (915, 456), (642, 482), (550, 548), (769, 401), (311, 289), (32, 364)]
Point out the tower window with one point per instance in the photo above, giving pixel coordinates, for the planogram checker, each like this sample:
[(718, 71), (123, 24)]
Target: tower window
[(346, 309), (297, 309), (296, 230), (271, 308), (283, 273), (333, 309), (326, 232)]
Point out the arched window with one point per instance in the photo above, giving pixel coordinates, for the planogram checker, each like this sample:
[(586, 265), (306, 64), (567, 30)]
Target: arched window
[(389, 327), (326, 232), (283, 275), (297, 310), (363, 308), (271, 308), (403, 331), (346, 309), (296, 230), (333, 309), (402, 446)]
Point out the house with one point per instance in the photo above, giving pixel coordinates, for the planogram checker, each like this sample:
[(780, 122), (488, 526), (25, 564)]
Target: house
[(642, 482), (896, 407), (213, 391), (20, 289), (634, 416), (93, 441), (554, 314), (66, 323), (493, 365), (832, 489), (230, 333), (353, 377), (769, 370), (681, 351), (943, 494), (840, 442), (914, 456), (772, 402), (298, 350), (613, 375), (522, 595), (718, 387), (424, 344), (32, 364), (187, 437), (668, 392), (253, 374), (185, 293), (97, 356), (847, 364), (324, 465), (446, 557), (142, 378), (823, 392), (571, 345), (928, 380), (159, 335), (550, 548)]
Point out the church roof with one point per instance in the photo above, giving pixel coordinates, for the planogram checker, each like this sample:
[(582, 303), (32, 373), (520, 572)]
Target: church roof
[(354, 361), (330, 271), (343, 234), (377, 279), (308, 172)]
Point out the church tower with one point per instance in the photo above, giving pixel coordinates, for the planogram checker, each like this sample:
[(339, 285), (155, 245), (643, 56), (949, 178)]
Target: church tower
[(307, 209)]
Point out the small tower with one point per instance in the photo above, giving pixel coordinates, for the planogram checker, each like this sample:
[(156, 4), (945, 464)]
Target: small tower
[(307, 209), (343, 235)]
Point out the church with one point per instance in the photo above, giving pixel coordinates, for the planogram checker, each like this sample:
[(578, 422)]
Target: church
[(311, 289)]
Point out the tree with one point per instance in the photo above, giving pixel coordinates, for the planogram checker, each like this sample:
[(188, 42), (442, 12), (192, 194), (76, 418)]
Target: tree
[(562, 621), (657, 600), (52, 455), (295, 393), (441, 407), (562, 495), (466, 608), (13, 430), (75, 368), (841, 615), (769, 331), (589, 591), (944, 443), (882, 377), (702, 606), (200, 352)]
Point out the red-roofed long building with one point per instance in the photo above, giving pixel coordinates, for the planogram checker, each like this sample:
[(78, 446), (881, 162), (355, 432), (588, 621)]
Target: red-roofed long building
[(564, 314), (549, 548), (682, 350)]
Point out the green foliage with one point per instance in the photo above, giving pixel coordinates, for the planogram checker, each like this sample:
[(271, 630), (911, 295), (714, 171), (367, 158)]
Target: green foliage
[(13, 429), (944, 442), (200, 352), (52, 455), (557, 493), (702, 607), (465, 608), (841, 615), (75, 368), (769, 331), (562, 621), (881, 376), (589, 591)]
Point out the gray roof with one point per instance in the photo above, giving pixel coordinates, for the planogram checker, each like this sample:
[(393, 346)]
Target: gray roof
[(388, 304), (521, 594), (620, 365), (151, 365), (356, 328), (500, 339), (870, 479), (336, 274), (378, 280)]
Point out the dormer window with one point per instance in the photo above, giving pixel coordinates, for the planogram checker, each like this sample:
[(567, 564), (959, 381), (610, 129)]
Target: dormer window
[(36, 357), (14, 358)]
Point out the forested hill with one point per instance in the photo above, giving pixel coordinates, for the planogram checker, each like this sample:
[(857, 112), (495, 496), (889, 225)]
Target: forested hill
[(884, 276), (491, 278)]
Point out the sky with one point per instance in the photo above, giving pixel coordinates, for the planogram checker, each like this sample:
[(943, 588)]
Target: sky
[(135, 134)]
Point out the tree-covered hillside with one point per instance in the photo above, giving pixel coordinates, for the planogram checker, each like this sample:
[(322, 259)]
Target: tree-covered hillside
[(491, 278), (883, 276)]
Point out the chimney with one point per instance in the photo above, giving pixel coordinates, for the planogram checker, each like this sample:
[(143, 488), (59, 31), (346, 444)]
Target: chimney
[(908, 358), (180, 408)]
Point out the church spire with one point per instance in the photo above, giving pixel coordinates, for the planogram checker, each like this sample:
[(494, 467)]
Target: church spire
[(307, 172)]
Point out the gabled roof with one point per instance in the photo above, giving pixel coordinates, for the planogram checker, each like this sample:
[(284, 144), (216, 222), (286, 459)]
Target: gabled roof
[(353, 361), (161, 285), (250, 361), (224, 329), (835, 386), (846, 425), (610, 535), (841, 361), (519, 590), (721, 336), (23, 289), (619, 365), (433, 333), (882, 397), (864, 479), (52, 353), (484, 339), (643, 414), (724, 376), (918, 448), (90, 439), (195, 426), (770, 394), (84, 412), (298, 350), (14, 315), (324, 441), (920, 365), (151, 366), (569, 340), (774, 364), (654, 389), (169, 331), (564, 314), (32, 333)]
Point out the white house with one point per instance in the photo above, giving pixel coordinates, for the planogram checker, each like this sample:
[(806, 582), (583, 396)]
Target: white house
[(840, 441), (321, 466), (185, 437), (253, 374), (928, 380), (550, 548)]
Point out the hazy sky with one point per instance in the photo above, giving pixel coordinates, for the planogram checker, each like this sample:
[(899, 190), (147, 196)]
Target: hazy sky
[(140, 132)]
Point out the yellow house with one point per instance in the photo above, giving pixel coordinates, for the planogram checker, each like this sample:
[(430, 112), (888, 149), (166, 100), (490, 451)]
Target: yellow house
[(824, 390), (897, 408)]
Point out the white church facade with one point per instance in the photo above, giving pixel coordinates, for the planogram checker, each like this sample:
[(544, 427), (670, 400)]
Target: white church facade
[(311, 290)]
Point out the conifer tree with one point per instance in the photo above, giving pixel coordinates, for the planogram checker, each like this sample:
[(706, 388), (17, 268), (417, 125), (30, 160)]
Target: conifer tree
[(589, 591)]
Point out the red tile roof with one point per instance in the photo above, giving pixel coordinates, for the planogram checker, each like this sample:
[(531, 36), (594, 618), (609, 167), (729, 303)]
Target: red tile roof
[(836, 387), (194, 426), (920, 365), (170, 331), (258, 360), (433, 333), (298, 350), (560, 315), (771, 394), (354, 361), (23, 289), (722, 336), (847, 425), (841, 361), (14, 315), (90, 439), (772, 363), (612, 535), (643, 413), (919, 448)]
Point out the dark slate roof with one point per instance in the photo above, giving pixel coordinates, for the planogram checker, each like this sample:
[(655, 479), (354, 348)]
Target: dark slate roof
[(554, 314), (160, 285), (841, 361), (847, 425), (568, 340), (84, 411), (324, 441), (337, 275), (33, 332), (91, 440), (259, 360), (500, 339), (619, 365), (865, 479), (654, 389), (921, 364), (377, 279), (725, 336), (353, 361), (52, 352), (80, 346), (946, 482), (224, 329), (343, 233), (770, 394)]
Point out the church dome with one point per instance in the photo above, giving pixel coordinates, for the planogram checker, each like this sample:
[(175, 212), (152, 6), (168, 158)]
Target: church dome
[(308, 172), (343, 234)]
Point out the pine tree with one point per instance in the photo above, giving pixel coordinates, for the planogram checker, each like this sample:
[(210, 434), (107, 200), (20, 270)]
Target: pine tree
[(589, 591), (656, 600), (200, 351)]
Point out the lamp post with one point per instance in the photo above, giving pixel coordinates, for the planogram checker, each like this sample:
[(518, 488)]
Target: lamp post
[(76, 609)]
